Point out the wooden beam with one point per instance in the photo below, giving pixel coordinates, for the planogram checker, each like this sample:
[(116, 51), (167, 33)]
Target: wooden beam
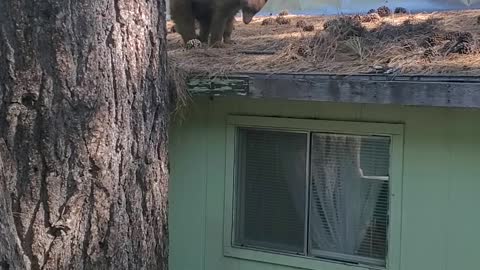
[(219, 86), (434, 91)]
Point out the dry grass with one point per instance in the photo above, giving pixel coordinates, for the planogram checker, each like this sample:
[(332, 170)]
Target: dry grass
[(177, 87), (283, 20), (437, 43)]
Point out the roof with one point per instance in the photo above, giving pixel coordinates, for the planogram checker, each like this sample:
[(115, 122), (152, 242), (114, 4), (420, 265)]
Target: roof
[(444, 43)]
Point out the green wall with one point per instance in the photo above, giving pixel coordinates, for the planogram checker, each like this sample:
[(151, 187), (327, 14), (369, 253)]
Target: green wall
[(441, 181)]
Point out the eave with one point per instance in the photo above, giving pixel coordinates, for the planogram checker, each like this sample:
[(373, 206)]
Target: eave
[(411, 90)]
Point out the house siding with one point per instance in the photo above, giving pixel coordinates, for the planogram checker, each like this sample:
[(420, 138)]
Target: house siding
[(441, 181)]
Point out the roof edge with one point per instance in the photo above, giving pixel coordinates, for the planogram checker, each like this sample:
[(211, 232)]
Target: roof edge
[(410, 90)]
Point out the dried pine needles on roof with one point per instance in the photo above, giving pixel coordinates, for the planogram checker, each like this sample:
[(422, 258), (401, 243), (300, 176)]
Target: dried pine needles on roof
[(436, 43)]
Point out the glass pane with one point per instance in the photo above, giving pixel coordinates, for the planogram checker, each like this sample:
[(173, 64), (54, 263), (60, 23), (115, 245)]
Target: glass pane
[(271, 189), (374, 156), (349, 197)]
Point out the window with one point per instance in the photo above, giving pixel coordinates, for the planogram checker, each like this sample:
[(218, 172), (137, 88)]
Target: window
[(271, 190), (317, 194)]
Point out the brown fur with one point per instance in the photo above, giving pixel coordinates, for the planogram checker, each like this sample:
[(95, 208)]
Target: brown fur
[(250, 8), (216, 17)]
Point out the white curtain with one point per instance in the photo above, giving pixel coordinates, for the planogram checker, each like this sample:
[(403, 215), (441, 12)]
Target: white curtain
[(342, 201)]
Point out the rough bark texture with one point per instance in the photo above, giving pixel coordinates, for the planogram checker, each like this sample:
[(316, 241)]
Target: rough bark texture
[(83, 134)]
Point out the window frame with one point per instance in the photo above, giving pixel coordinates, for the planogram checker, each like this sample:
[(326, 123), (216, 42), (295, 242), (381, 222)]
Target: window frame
[(393, 130)]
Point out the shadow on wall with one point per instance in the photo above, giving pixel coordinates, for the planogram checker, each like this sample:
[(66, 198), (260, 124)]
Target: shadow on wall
[(331, 7)]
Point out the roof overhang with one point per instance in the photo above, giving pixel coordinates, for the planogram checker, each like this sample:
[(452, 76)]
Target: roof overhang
[(417, 90)]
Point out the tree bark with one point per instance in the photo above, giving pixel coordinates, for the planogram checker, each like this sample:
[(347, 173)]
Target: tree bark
[(84, 113)]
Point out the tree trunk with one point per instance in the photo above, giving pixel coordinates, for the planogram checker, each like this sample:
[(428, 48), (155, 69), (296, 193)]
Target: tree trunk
[(84, 112)]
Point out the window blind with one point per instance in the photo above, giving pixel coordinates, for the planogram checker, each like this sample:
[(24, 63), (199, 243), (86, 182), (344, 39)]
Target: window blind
[(271, 184)]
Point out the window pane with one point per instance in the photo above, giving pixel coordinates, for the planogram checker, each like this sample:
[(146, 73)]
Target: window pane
[(271, 188), (374, 153), (349, 197)]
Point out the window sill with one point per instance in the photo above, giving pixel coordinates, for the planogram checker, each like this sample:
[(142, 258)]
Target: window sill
[(292, 260)]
